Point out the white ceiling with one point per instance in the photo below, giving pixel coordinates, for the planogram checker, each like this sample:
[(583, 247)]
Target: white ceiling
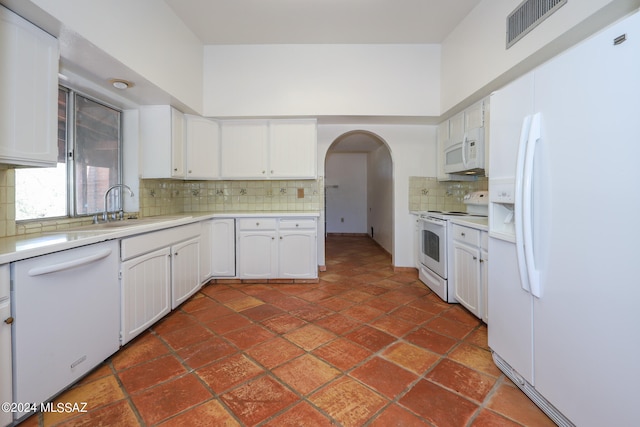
[(321, 21)]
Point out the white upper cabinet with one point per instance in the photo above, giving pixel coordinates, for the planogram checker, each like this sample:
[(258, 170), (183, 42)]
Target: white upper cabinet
[(244, 149), (269, 149), (203, 148), (28, 93), (293, 149), (177, 145), (161, 142)]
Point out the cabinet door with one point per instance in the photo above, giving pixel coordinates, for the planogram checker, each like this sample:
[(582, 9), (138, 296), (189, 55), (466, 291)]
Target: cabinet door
[(177, 144), (185, 270), (244, 149), (203, 148), (6, 394), (474, 116), (466, 274), (292, 149), (146, 292), (223, 248), (206, 234), (161, 142), (456, 129), (484, 284), (28, 93), (257, 254), (297, 254)]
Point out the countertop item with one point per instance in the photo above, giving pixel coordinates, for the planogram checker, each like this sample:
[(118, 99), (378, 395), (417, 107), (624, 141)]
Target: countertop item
[(25, 246)]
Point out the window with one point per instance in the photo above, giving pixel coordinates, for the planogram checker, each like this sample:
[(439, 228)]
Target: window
[(89, 162)]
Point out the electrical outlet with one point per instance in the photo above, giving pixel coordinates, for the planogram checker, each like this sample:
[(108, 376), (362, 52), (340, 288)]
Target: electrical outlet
[(301, 193)]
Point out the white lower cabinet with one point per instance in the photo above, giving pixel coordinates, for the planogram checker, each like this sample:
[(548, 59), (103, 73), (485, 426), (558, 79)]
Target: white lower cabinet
[(160, 270), (270, 248), (470, 271), (185, 270), (6, 375), (223, 247), (146, 291), (257, 251), (297, 249)]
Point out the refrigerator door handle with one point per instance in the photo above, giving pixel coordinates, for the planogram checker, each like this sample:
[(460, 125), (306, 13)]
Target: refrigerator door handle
[(527, 207), (518, 207)]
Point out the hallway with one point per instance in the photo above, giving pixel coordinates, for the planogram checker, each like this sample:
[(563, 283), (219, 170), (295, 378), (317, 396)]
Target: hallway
[(366, 346)]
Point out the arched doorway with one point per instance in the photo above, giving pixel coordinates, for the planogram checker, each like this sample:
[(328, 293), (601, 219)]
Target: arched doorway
[(358, 189)]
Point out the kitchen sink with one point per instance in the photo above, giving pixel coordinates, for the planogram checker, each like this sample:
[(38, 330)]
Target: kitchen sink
[(122, 224)]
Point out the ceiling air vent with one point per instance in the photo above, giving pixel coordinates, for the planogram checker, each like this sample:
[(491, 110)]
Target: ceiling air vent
[(527, 16)]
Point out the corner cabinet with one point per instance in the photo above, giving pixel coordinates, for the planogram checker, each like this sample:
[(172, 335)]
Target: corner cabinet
[(269, 149), (177, 145), (470, 268), (28, 93), (277, 248), (162, 143)]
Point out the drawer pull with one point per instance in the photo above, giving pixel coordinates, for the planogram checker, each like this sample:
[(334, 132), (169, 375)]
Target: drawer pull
[(475, 258), (462, 234), (297, 225), (8, 320), (257, 224)]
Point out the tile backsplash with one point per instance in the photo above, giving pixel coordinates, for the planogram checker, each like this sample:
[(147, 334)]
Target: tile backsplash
[(166, 197), (171, 197), (430, 194)]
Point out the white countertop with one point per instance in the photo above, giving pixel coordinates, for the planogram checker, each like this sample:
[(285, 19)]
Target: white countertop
[(24, 246)]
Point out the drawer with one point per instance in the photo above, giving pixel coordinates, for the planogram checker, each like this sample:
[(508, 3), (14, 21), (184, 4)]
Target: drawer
[(257, 224), (297, 223), (470, 236), (144, 243)]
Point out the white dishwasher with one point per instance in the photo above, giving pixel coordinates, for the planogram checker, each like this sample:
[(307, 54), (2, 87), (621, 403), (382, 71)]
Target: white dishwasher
[(66, 310)]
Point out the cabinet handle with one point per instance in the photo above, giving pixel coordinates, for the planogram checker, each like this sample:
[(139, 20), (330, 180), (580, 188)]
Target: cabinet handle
[(263, 172), (175, 169), (475, 258), (272, 171), (481, 260), (189, 171), (175, 254), (8, 320), (280, 237), (462, 234), (273, 238), (257, 224)]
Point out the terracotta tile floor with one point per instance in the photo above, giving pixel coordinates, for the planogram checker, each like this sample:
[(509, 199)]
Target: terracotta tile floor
[(363, 347)]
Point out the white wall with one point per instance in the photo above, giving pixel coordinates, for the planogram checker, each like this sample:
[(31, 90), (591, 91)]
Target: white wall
[(380, 197), (300, 80), (475, 60), (346, 205), (145, 35), (412, 148)]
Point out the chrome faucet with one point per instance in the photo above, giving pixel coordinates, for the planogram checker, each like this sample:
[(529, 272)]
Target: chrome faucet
[(105, 214)]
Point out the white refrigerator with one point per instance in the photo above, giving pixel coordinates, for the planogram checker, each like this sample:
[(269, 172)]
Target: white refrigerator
[(564, 215)]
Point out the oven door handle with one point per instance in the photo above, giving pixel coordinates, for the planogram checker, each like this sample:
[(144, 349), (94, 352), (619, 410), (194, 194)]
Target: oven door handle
[(433, 221)]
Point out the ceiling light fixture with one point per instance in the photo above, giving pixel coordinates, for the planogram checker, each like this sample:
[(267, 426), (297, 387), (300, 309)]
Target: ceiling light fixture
[(121, 84)]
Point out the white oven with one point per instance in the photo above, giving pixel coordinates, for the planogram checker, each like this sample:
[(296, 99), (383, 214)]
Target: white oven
[(434, 247), (433, 242), (433, 256)]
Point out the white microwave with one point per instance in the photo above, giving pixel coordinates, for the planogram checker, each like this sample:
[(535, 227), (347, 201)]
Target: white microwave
[(465, 157)]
